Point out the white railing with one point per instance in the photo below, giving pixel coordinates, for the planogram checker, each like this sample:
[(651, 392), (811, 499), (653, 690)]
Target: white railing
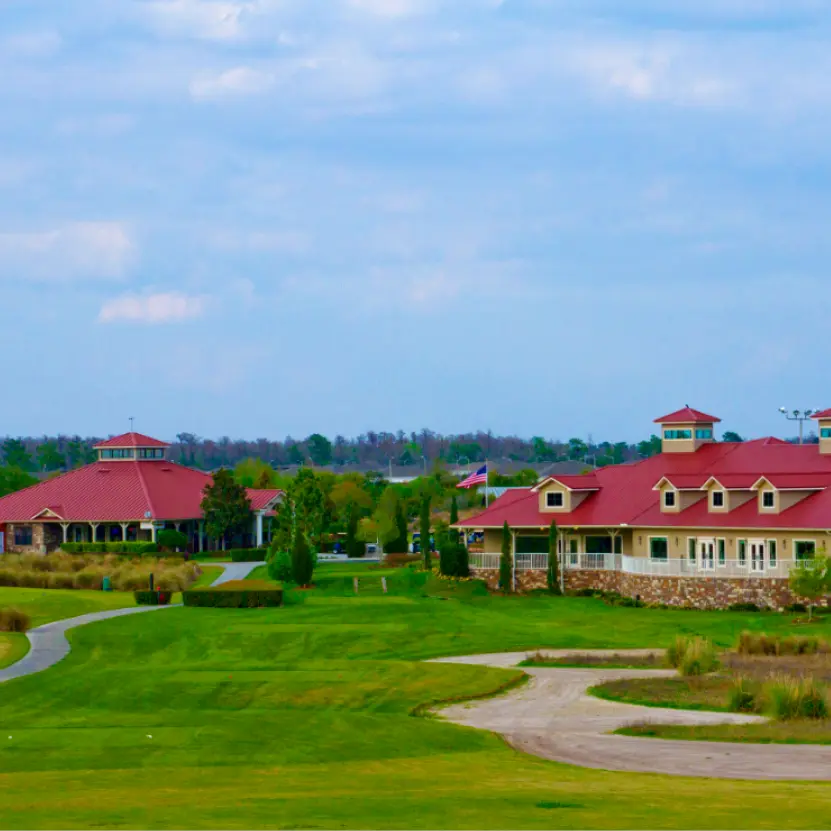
[(685, 567), (677, 567)]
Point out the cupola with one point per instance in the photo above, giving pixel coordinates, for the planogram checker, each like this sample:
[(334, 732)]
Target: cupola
[(131, 447), (684, 431)]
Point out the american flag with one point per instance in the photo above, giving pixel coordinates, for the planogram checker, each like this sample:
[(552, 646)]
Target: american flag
[(478, 478)]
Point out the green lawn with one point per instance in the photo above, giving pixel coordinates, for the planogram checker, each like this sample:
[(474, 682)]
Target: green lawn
[(13, 646), (301, 717), (46, 605)]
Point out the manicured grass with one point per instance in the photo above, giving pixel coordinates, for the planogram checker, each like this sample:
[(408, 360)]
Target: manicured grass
[(13, 646), (302, 717), (807, 731), (46, 605)]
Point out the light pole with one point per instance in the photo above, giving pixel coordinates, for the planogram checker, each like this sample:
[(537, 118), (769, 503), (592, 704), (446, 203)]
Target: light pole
[(424, 459), (797, 415)]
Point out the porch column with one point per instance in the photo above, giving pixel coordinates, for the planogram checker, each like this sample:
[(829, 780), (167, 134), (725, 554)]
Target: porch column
[(177, 525), (259, 532), (93, 526), (65, 529), (124, 530), (153, 532)]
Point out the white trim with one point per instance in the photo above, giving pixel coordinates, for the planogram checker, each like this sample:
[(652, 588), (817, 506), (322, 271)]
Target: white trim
[(723, 494), (550, 494), (664, 495), (553, 479)]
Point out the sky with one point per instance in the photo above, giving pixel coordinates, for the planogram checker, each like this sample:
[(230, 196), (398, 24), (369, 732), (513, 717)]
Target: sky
[(539, 217)]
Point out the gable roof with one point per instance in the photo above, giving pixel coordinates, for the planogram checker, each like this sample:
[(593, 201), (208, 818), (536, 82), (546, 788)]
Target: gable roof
[(687, 415), (580, 482), (120, 492), (131, 440), (626, 494), (822, 414)]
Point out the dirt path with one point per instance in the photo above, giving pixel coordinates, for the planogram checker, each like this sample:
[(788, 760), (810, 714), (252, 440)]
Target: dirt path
[(553, 717)]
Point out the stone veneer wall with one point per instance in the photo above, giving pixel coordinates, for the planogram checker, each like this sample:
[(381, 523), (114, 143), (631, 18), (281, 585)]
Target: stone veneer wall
[(699, 592), (38, 540)]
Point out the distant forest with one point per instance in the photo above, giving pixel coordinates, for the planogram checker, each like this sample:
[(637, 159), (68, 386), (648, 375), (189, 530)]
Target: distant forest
[(370, 450)]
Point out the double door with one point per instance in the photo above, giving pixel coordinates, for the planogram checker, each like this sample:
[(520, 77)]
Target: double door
[(757, 554), (706, 554)]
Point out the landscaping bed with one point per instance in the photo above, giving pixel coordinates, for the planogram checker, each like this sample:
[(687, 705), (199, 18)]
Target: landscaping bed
[(602, 660), (87, 571)]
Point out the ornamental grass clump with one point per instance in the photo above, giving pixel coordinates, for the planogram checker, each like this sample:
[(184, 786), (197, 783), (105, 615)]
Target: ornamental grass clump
[(676, 650), (13, 620), (700, 658), (758, 643), (742, 697), (790, 698)]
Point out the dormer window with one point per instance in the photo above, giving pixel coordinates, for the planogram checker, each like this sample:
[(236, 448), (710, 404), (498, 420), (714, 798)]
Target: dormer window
[(676, 435), (554, 499), (768, 499), (669, 499), (718, 499)]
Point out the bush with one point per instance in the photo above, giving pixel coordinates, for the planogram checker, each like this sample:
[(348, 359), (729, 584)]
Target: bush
[(236, 594), (741, 698), (699, 659), (134, 548), (279, 567), (796, 608), (171, 539), (742, 607), (13, 620), (154, 598), (789, 698), (248, 555)]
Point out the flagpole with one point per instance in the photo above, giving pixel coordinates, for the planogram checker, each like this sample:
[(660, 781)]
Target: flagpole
[(486, 483)]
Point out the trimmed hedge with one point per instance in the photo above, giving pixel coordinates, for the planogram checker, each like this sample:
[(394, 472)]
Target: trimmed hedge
[(154, 598), (132, 548), (236, 594), (247, 555)]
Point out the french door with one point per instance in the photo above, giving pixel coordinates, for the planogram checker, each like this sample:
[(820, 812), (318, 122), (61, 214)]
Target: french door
[(707, 554), (758, 551)]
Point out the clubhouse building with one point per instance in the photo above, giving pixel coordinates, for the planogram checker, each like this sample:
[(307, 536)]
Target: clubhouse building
[(129, 494), (703, 523)]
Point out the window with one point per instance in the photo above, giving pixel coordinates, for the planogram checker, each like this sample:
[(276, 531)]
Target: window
[(704, 433), (659, 548), (772, 552), (742, 552), (718, 499), (151, 453), (825, 433), (674, 435), (532, 545), (804, 549), (691, 543), (573, 553), (23, 535), (618, 545), (768, 499), (117, 453), (669, 499), (722, 556), (554, 499)]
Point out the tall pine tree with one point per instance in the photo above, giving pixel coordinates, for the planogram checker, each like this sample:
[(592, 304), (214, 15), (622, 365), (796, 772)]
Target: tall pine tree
[(506, 565), (454, 510), (553, 560), (424, 531), (225, 506)]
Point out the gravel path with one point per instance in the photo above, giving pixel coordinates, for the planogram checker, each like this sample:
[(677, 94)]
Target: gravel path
[(48, 643), (553, 717)]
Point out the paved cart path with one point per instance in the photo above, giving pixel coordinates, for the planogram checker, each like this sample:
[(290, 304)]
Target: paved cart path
[(554, 717), (48, 643)]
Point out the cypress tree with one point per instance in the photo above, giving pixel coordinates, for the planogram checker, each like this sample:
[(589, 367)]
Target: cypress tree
[(462, 563), (454, 510), (302, 564), (402, 544), (506, 560), (424, 530), (553, 560)]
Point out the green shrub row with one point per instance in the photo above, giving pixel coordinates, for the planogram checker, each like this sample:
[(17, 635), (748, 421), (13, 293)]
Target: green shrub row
[(134, 548), (247, 555), (154, 598), (236, 594)]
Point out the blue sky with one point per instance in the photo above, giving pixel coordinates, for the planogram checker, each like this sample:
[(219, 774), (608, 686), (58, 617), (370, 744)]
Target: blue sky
[(540, 217)]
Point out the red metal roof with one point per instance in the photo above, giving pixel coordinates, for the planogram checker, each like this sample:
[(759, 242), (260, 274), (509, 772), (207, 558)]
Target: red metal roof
[(822, 414), (119, 492), (132, 440), (626, 494), (574, 482), (687, 416)]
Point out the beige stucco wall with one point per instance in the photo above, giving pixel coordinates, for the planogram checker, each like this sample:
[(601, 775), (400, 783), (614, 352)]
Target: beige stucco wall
[(554, 487), (684, 445)]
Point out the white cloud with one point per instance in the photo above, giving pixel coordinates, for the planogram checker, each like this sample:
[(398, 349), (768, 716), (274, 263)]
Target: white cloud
[(241, 80), (392, 8), (81, 250), (198, 18), (169, 307)]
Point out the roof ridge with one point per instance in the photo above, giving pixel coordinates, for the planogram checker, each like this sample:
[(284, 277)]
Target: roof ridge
[(144, 488)]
